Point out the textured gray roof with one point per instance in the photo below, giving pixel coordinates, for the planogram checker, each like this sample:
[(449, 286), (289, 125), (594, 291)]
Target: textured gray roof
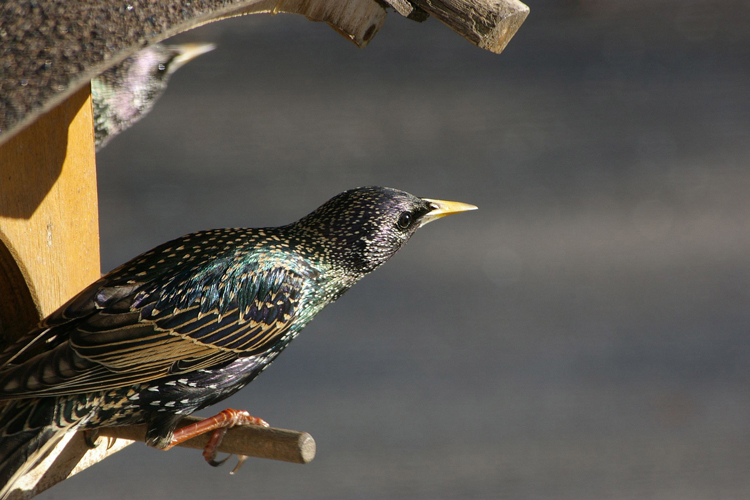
[(50, 48)]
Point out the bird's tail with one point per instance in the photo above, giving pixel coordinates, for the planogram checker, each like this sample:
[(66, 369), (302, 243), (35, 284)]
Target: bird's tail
[(22, 444)]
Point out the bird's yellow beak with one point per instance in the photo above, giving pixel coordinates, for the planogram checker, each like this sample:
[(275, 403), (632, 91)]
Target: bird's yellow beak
[(442, 208), (188, 52)]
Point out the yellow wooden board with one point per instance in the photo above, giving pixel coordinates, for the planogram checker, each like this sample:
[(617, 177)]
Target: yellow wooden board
[(49, 222)]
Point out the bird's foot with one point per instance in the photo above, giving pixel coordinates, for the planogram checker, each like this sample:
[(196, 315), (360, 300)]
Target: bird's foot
[(218, 425), (90, 437), (212, 449)]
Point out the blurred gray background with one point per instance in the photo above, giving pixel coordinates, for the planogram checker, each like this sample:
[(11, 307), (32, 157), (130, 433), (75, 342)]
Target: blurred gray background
[(584, 335)]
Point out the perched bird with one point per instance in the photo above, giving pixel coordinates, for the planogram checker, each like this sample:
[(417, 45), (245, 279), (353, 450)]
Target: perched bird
[(191, 322), (124, 94)]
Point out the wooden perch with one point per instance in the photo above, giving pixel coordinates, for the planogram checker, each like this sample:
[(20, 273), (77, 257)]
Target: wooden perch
[(251, 440), (73, 455)]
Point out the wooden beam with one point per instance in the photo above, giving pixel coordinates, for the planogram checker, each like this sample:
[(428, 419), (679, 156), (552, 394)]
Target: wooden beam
[(69, 457), (49, 217), (357, 21), (488, 24)]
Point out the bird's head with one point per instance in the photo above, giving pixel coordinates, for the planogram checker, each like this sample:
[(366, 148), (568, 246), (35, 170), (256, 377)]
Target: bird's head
[(362, 228), (131, 88), (156, 63), (125, 93)]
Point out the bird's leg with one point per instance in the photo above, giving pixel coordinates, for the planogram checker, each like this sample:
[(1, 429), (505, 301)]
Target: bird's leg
[(219, 424), (223, 420)]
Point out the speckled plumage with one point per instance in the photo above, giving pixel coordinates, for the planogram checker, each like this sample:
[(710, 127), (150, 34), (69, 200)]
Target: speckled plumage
[(192, 321), (125, 93)]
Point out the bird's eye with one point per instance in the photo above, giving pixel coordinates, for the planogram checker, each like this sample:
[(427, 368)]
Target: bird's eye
[(404, 221), (162, 68)]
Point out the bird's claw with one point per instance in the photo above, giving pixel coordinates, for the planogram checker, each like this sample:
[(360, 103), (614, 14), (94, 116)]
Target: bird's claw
[(210, 451), (215, 463), (240, 460), (90, 437), (218, 425)]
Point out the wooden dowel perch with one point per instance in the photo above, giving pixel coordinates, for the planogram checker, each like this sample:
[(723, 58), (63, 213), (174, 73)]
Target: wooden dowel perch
[(73, 455), (253, 441)]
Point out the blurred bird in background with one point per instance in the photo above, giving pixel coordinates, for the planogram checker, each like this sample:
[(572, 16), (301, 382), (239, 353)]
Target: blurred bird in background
[(124, 94), (191, 322)]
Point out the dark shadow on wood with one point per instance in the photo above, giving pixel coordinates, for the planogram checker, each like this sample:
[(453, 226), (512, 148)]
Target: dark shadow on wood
[(18, 313)]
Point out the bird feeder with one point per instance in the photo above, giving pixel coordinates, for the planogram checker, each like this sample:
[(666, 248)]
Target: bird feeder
[(49, 229)]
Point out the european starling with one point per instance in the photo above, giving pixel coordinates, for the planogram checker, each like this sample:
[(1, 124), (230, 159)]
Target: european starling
[(191, 322), (124, 94)]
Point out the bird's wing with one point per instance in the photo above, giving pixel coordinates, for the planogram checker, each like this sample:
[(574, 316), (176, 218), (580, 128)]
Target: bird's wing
[(50, 332), (180, 322)]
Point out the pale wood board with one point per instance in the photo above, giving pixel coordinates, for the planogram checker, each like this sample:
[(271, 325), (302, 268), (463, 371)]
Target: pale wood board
[(49, 228)]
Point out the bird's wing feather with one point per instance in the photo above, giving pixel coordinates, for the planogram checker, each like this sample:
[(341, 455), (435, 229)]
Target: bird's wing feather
[(181, 321), (52, 331)]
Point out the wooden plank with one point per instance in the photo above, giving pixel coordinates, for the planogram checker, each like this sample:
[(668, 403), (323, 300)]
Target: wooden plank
[(69, 457), (357, 21), (403, 7), (49, 218), (488, 24)]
